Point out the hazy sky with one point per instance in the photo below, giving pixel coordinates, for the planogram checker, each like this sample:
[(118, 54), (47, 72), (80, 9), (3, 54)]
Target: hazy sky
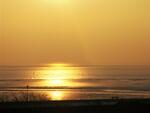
[(74, 31)]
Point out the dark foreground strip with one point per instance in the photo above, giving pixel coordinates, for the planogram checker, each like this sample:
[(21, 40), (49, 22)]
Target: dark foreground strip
[(79, 106)]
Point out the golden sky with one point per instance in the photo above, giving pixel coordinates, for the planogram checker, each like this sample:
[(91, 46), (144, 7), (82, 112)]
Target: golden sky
[(74, 31)]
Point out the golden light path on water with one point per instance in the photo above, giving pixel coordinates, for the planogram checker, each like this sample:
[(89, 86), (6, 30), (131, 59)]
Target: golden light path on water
[(56, 95), (60, 75)]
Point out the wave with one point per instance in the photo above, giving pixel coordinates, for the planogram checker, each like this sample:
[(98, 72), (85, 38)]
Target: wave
[(94, 88)]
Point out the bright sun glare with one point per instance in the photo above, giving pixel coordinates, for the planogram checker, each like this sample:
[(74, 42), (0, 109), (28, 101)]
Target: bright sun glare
[(56, 95), (57, 82), (59, 74), (60, 71)]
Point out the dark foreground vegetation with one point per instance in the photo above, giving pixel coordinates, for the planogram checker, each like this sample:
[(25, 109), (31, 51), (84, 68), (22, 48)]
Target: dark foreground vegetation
[(79, 106)]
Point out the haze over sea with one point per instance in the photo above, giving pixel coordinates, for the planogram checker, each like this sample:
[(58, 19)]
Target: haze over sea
[(61, 82)]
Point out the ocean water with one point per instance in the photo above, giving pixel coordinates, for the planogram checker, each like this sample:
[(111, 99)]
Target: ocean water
[(75, 82)]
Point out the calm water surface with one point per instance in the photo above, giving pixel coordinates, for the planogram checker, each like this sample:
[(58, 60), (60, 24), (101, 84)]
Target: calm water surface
[(78, 82)]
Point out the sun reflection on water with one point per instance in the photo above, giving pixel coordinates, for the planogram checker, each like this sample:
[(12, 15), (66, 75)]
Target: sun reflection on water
[(57, 82), (60, 75), (56, 95), (57, 78)]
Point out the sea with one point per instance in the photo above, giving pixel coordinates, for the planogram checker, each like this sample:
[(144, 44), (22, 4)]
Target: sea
[(61, 82)]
